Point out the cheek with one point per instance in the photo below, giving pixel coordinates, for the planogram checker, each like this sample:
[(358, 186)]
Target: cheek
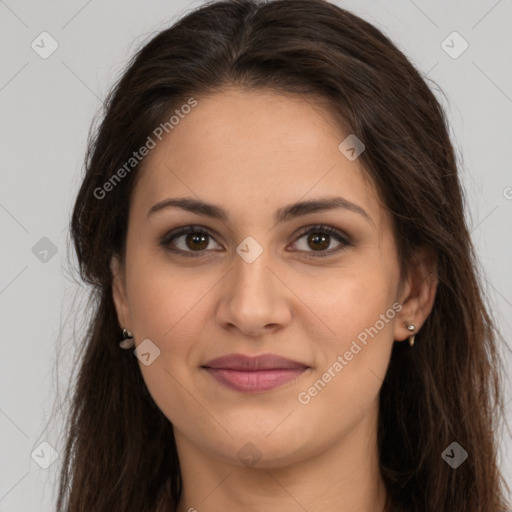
[(357, 318), (168, 306), (165, 310), (351, 300), (163, 296)]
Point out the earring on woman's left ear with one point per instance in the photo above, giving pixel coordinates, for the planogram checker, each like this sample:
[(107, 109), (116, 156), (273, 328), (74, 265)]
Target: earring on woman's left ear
[(411, 328)]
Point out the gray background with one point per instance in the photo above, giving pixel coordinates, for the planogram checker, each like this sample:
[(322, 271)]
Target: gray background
[(47, 107)]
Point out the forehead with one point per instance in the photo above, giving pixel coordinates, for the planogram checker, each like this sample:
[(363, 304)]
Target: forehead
[(260, 148)]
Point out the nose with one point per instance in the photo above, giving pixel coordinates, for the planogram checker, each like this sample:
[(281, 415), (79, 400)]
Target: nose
[(254, 298)]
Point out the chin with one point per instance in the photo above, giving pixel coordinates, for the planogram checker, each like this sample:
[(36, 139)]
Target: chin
[(256, 448)]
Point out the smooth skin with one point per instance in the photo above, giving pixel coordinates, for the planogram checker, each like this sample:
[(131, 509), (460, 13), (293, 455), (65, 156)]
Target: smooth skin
[(252, 153)]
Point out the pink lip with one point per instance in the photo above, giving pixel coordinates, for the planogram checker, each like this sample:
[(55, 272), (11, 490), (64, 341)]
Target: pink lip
[(254, 374)]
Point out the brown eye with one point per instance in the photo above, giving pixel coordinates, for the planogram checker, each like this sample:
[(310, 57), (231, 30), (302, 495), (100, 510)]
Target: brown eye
[(188, 241), (196, 241), (319, 239), (319, 242)]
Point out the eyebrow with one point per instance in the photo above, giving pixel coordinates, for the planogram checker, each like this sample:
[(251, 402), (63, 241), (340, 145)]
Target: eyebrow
[(284, 214)]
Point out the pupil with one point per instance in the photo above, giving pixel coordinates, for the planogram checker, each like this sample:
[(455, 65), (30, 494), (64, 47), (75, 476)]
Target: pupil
[(192, 239), (315, 238)]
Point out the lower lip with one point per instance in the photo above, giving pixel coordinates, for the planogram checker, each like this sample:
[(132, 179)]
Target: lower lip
[(254, 381)]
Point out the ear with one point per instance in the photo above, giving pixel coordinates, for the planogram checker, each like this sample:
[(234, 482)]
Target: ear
[(418, 293), (119, 293)]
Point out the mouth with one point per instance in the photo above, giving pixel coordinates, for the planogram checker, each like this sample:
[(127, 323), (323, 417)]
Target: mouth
[(252, 374)]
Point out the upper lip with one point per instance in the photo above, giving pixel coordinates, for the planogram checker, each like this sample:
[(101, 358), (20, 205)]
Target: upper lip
[(253, 363)]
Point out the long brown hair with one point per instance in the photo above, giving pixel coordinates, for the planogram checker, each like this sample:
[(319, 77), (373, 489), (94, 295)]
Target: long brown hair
[(120, 451)]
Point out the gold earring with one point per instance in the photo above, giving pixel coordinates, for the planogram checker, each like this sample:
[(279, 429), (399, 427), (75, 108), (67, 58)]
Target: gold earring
[(411, 328)]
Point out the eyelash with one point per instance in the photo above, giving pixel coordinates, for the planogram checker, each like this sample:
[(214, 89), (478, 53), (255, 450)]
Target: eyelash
[(319, 228)]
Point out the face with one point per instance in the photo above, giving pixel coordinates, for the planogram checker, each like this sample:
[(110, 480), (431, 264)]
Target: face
[(261, 278)]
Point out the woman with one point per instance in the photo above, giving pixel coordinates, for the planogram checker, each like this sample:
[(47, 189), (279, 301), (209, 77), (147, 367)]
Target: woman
[(272, 217)]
